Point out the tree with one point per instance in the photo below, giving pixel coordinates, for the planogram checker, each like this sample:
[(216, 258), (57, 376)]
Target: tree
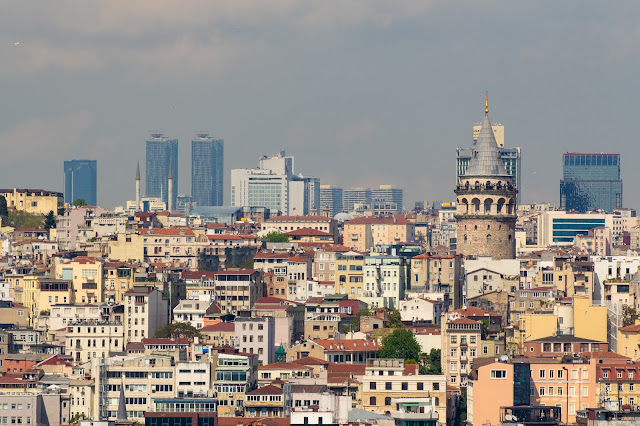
[(3, 206), (395, 319), (178, 329), (77, 418), (275, 237), (461, 412), (79, 202), (433, 362), (629, 315), (22, 219), (50, 220), (400, 343)]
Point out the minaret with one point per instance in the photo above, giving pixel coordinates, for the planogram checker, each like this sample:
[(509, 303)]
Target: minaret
[(138, 187), (486, 201), (170, 187)]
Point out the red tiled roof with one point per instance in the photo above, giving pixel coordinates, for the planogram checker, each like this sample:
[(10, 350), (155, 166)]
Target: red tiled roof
[(298, 259), (346, 369), (193, 275), (221, 326), (633, 328), (284, 366), (308, 232), (224, 237), (266, 390), (263, 254), (310, 360), (463, 320), (411, 370)]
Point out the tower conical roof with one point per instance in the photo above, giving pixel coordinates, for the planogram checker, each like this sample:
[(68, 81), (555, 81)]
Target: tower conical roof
[(485, 155)]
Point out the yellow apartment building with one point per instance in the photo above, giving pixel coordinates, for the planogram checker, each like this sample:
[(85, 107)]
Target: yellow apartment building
[(127, 247), (349, 277), (364, 233), (118, 278), (86, 275), (33, 201)]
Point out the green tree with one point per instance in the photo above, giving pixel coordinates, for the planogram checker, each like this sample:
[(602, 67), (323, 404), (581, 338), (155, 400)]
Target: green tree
[(275, 237), (79, 202), (50, 220), (22, 219), (461, 412), (395, 319), (629, 315), (178, 329), (433, 362), (77, 418), (400, 343), (3, 207)]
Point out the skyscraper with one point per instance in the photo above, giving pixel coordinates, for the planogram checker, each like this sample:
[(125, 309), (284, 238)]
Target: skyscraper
[(80, 181), (388, 194), (330, 198), (352, 196), (161, 154), (590, 181), (207, 170)]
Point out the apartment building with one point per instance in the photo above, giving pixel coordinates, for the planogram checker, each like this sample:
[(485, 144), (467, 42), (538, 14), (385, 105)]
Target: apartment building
[(33, 201), (385, 281), (119, 277), (432, 273), (364, 233), (235, 374), (145, 312), (87, 340), (256, 336), (144, 378), (286, 224), (238, 290), (387, 382), (193, 379), (86, 275), (349, 275)]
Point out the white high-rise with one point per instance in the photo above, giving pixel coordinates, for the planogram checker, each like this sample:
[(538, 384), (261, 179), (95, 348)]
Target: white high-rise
[(273, 185)]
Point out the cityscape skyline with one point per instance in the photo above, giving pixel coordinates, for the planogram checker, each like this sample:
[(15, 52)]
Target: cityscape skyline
[(535, 80)]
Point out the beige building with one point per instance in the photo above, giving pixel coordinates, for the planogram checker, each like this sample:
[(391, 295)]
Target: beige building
[(87, 340), (349, 276), (364, 233), (118, 278), (287, 224), (238, 290), (86, 275), (33, 201), (386, 380), (438, 273)]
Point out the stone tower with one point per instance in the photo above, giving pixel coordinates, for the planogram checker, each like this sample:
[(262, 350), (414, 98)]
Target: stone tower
[(486, 201)]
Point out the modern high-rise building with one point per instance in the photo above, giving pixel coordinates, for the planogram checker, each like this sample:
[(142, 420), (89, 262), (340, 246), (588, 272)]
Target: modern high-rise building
[(162, 154), (511, 157), (274, 186), (331, 199), (80, 181), (207, 170), (388, 194), (590, 181), (353, 196)]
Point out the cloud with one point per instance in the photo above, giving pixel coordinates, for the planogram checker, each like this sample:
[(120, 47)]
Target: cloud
[(39, 141)]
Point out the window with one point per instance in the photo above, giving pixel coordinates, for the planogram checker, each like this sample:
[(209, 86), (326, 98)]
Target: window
[(454, 339), (560, 374), (585, 391), (420, 386), (619, 374), (560, 390), (472, 340), (498, 374), (541, 391), (372, 385), (605, 374), (551, 374), (454, 366), (387, 386), (550, 391), (387, 401), (405, 386), (372, 400)]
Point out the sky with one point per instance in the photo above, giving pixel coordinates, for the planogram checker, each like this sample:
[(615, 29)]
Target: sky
[(361, 92)]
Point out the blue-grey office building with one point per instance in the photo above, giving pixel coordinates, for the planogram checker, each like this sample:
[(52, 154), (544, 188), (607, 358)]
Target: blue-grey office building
[(80, 181), (207, 170), (590, 181), (162, 154)]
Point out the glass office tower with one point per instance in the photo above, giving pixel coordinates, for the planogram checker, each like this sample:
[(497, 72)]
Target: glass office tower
[(80, 181), (161, 152), (207, 170), (590, 181)]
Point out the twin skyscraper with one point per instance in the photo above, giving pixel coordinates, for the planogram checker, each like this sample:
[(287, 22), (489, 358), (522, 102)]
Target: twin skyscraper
[(207, 169)]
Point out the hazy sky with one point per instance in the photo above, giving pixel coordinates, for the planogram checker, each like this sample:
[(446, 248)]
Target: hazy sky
[(361, 92)]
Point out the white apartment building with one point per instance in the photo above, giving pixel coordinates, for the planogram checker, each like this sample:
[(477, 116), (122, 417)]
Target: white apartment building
[(145, 312), (87, 340), (193, 379), (256, 336), (193, 312), (385, 281), (62, 315), (421, 310), (145, 378), (238, 290)]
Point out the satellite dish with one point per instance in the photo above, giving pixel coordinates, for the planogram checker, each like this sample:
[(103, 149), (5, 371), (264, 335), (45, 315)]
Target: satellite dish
[(508, 417)]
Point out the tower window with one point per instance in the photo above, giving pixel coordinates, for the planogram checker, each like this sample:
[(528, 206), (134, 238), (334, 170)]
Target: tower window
[(489, 238)]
